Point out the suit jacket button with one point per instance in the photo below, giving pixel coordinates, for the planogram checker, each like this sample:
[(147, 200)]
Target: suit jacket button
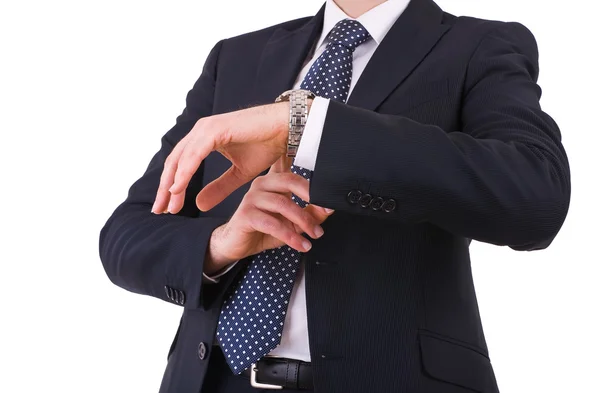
[(202, 351), (354, 196), (377, 203), (365, 200), (389, 206)]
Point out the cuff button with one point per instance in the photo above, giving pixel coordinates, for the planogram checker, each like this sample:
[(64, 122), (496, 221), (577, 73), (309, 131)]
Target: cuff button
[(377, 203), (365, 200), (169, 292), (354, 196), (389, 206)]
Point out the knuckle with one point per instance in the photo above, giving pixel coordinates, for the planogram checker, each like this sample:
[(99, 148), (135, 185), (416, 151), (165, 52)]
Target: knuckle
[(257, 183), (203, 122), (169, 161), (268, 224), (255, 222), (289, 237), (247, 202), (243, 214), (306, 217), (261, 222), (281, 202)]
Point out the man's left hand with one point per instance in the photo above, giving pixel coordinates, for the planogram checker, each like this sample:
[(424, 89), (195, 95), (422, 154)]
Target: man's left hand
[(252, 139)]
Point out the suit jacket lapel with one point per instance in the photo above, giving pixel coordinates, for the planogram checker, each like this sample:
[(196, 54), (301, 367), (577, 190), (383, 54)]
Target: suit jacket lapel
[(283, 58), (409, 40)]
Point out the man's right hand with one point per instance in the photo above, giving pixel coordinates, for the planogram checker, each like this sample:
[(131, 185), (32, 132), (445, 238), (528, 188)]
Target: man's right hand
[(266, 218)]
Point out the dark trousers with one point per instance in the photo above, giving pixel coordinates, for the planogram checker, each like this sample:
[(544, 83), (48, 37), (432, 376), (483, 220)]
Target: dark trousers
[(220, 379)]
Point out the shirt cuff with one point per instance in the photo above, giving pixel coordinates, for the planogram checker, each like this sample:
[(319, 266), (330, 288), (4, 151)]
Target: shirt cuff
[(213, 279), (306, 156)]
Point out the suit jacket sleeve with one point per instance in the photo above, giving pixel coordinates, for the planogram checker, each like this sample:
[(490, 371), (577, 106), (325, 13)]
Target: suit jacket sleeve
[(503, 178), (143, 252)]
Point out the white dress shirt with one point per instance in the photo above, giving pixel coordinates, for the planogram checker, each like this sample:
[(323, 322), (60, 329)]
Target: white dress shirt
[(377, 21)]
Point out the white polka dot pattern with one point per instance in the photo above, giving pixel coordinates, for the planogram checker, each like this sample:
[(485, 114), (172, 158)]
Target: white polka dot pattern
[(252, 317), (330, 75)]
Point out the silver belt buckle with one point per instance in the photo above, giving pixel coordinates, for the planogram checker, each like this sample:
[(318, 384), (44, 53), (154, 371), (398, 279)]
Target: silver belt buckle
[(258, 385)]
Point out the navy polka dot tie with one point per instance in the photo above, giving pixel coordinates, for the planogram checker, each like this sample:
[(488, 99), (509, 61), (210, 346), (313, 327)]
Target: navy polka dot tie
[(252, 317)]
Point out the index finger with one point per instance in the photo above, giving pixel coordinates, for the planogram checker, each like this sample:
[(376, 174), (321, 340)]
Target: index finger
[(166, 178)]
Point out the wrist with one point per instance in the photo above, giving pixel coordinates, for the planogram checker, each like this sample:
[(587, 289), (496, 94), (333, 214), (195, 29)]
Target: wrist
[(283, 120), (215, 260)]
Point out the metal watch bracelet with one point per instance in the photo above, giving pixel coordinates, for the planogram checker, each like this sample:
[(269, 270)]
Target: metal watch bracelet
[(298, 115)]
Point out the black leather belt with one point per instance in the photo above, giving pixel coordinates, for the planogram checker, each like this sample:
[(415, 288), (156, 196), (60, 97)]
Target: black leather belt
[(279, 373)]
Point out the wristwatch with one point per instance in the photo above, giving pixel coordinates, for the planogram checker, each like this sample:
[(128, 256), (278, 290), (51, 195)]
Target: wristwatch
[(298, 114)]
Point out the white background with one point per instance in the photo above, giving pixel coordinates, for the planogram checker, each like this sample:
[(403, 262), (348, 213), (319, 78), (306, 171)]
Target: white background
[(86, 91)]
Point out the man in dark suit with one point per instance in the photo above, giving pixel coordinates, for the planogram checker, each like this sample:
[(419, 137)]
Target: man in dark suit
[(321, 243)]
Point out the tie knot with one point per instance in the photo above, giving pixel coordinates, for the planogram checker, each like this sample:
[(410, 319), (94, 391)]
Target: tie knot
[(349, 33)]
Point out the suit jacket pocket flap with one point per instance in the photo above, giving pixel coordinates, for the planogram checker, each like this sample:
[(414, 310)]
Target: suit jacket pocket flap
[(456, 364)]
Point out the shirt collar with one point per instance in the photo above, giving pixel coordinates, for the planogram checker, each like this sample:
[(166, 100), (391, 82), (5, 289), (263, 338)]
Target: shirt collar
[(378, 20)]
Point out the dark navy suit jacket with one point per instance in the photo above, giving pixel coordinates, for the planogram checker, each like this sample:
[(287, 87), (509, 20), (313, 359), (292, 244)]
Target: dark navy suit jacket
[(446, 121)]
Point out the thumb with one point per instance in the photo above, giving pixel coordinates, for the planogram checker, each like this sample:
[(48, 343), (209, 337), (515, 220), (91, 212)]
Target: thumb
[(219, 189)]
